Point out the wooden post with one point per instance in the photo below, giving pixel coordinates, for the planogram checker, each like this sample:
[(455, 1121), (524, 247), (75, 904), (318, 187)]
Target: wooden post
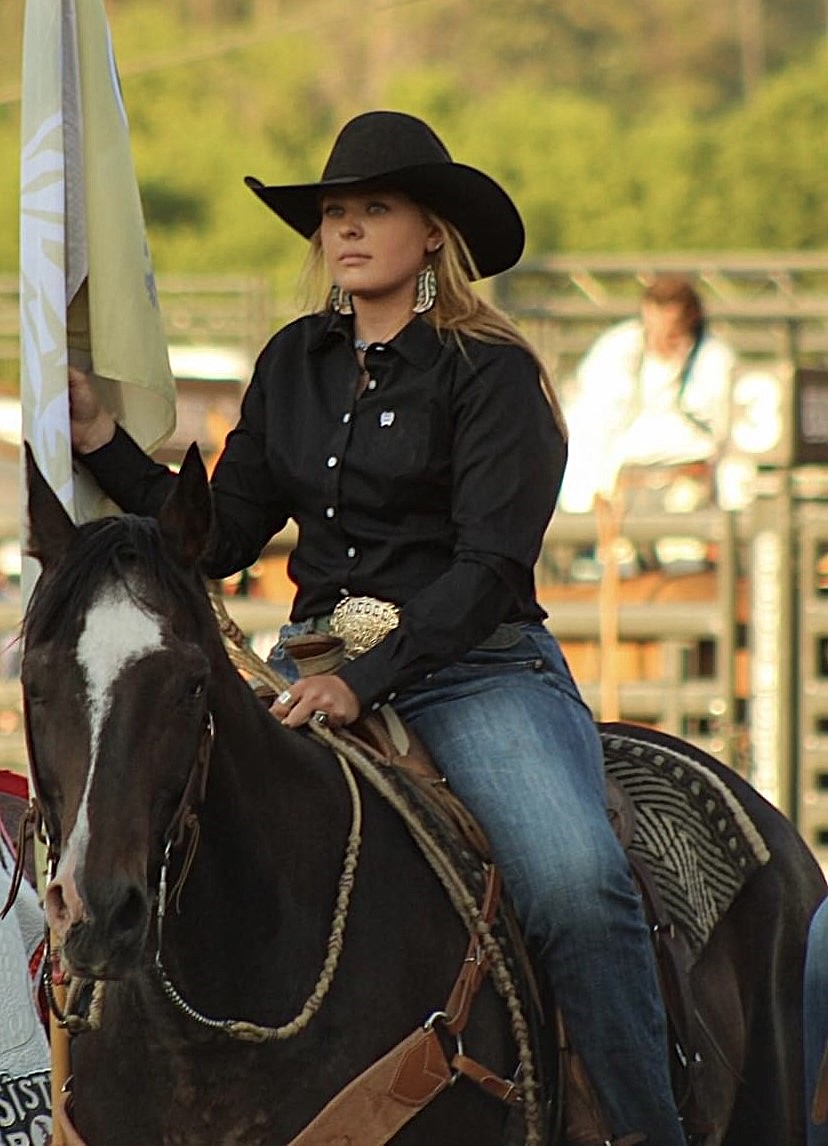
[(59, 1059), (608, 521), (60, 1064)]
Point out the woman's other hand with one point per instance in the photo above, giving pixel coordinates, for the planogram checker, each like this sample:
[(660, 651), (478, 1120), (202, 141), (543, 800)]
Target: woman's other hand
[(324, 693), (92, 426)]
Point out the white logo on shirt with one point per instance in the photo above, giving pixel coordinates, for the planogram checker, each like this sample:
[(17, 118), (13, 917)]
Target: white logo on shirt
[(386, 418)]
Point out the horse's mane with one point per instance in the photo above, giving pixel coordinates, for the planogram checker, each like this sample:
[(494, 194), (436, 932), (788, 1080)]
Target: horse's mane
[(126, 549)]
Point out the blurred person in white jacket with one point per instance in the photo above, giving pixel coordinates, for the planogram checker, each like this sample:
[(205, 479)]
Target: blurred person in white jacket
[(653, 391)]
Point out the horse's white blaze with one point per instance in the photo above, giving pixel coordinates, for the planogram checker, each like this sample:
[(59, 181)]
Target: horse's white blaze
[(117, 632)]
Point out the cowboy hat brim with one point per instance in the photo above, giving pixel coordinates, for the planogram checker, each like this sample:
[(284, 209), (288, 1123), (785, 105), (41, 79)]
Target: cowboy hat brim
[(469, 199)]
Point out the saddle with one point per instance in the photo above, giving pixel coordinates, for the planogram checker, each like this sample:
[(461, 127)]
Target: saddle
[(385, 736)]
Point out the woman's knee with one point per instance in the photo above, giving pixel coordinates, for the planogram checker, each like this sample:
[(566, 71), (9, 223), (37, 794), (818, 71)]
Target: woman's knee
[(584, 889)]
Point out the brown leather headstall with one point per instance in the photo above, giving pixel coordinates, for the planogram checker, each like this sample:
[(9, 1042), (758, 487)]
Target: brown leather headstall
[(31, 823), (184, 824)]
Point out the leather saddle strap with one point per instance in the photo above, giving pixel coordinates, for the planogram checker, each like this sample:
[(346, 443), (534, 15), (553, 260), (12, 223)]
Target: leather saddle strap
[(672, 959), (504, 1089), (475, 966), (373, 1107), (387, 1095)]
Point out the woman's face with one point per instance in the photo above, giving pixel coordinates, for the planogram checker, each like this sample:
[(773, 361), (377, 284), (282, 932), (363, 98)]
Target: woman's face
[(375, 242), (666, 332)]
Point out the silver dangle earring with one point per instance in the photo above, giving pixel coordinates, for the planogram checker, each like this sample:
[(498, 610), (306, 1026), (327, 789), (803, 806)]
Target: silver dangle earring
[(426, 289), (341, 300)]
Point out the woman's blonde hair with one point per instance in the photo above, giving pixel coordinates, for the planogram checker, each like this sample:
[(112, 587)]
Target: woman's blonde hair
[(457, 309)]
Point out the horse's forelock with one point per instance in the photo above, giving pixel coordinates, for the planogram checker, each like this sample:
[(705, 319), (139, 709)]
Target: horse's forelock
[(125, 550)]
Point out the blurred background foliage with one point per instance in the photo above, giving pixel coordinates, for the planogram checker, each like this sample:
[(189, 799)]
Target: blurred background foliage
[(659, 125)]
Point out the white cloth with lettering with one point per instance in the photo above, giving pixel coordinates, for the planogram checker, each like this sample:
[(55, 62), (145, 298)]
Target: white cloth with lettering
[(25, 1100)]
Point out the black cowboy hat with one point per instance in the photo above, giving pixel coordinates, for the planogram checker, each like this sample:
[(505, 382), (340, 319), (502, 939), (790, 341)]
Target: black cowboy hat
[(400, 151)]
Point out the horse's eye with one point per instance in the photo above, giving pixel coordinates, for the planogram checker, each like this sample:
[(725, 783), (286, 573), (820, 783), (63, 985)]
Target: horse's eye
[(191, 694)]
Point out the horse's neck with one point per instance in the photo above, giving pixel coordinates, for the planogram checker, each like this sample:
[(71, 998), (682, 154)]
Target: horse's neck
[(275, 804), (257, 902)]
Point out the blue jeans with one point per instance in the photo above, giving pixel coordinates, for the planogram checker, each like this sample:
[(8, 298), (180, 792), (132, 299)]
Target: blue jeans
[(816, 1014), (510, 732)]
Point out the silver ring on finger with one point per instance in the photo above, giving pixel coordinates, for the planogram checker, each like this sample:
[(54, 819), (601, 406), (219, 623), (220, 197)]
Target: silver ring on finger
[(285, 697), (321, 718)]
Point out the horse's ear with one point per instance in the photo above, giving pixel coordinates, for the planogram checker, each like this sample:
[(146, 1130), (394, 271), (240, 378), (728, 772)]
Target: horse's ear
[(51, 529), (186, 515)]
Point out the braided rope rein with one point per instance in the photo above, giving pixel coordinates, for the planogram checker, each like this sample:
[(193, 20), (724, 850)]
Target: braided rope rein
[(254, 1032), (246, 659), (237, 1028), (241, 1029)]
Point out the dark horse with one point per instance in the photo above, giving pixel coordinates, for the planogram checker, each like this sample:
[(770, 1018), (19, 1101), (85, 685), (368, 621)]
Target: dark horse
[(128, 691)]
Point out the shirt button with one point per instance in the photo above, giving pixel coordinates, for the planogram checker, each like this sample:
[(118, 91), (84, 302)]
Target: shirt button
[(351, 551), (330, 511), (332, 460), (346, 418), (392, 696), (343, 592), (376, 706), (372, 385)]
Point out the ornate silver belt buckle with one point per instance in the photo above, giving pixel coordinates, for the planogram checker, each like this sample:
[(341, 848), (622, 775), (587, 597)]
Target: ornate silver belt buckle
[(362, 622)]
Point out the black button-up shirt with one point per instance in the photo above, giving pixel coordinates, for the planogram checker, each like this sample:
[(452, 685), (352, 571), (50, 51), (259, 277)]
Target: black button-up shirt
[(432, 488)]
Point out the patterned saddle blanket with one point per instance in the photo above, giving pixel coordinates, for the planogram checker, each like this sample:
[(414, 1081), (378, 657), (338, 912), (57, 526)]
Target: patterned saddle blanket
[(690, 829)]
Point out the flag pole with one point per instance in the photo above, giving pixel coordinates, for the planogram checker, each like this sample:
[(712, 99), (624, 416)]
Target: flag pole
[(42, 296), (87, 290)]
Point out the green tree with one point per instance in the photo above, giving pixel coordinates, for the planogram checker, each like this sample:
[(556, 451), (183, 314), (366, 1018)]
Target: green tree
[(615, 127), (773, 164)]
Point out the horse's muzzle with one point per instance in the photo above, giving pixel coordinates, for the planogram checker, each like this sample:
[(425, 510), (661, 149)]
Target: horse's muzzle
[(109, 943)]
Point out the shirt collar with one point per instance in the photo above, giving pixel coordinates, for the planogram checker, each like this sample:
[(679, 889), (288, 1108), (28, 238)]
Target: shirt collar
[(418, 342)]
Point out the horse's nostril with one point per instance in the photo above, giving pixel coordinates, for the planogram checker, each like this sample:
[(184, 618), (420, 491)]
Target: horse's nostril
[(129, 916), (56, 910), (63, 904)]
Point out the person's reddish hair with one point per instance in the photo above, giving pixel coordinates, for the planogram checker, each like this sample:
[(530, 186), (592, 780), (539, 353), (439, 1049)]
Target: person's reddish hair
[(669, 290)]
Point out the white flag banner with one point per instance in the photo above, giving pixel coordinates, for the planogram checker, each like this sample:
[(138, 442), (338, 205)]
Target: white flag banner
[(87, 289)]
